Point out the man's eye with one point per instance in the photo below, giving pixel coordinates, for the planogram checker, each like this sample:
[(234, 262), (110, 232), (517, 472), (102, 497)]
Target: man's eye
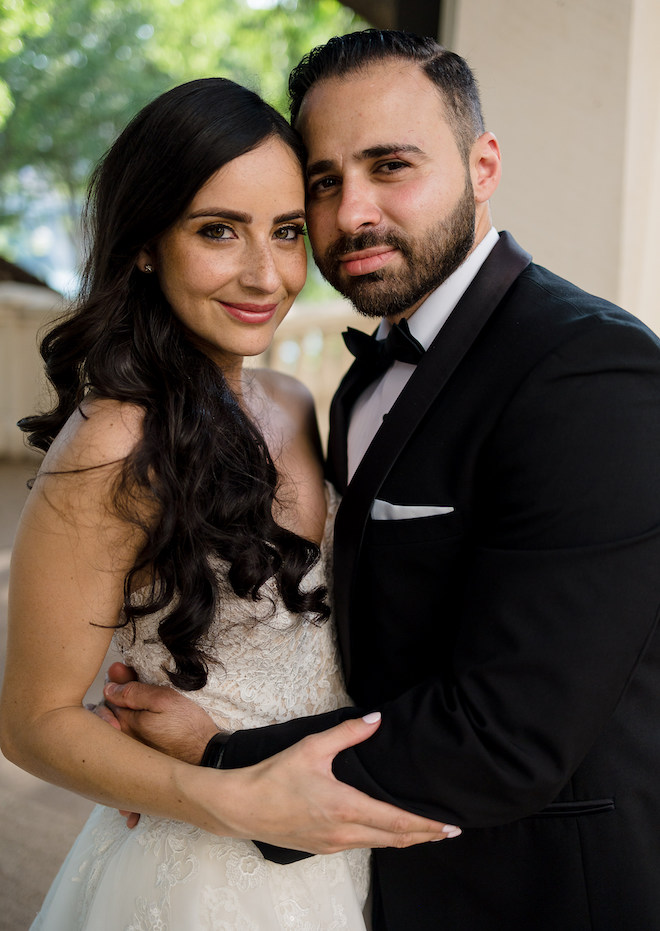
[(322, 184), (394, 165)]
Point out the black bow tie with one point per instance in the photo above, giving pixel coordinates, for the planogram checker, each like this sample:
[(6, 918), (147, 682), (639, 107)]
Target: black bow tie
[(377, 355)]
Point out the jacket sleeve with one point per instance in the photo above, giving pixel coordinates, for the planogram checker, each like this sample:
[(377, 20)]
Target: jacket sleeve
[(560, 601)]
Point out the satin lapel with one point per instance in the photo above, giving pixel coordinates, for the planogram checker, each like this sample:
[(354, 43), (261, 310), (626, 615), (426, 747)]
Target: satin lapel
[(342, 402), (504, 264)]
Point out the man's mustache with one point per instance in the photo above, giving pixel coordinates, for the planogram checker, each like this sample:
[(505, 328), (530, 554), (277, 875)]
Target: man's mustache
[(344, 245)]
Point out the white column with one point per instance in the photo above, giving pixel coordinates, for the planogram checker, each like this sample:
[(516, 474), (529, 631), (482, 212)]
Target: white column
[(571, 88), (640, 240)]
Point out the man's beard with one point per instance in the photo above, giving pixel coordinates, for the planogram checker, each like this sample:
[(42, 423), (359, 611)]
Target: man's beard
[(427, 262)]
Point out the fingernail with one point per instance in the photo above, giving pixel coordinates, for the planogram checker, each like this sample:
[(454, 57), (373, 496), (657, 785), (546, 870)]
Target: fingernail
[(372, 717), (450, 831), (110, 688)]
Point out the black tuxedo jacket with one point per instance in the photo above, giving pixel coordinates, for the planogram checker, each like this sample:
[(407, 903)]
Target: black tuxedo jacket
[(510, 643)]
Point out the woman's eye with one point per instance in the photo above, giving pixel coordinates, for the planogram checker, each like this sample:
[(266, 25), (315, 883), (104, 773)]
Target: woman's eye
[(289, 233), (217, 231)]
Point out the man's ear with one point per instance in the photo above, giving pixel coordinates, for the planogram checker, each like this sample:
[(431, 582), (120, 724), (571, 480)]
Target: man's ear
[(485, 167)]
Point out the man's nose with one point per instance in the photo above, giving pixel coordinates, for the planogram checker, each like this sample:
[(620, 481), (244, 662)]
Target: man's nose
[(358, 207)]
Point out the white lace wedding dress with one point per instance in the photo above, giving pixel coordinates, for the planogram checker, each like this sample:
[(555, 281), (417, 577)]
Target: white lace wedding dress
[(169, 876)]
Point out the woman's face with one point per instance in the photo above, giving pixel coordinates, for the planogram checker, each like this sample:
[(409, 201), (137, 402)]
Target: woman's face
[(233, 263)]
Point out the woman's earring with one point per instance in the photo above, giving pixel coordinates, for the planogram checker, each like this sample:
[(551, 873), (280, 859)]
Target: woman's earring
[(148, 269)]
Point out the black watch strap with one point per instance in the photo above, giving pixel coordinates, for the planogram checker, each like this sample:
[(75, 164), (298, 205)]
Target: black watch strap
[(214, 752)]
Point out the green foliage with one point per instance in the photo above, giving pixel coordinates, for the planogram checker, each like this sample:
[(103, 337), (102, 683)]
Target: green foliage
[(73, 83), (73, 73), (254, 46)]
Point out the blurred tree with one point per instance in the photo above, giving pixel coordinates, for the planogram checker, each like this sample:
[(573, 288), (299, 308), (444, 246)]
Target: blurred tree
[(76, 74), (72, 75)]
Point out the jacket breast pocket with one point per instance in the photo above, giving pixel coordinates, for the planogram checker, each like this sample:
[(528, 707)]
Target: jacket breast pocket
[(431, 529), (385, 510)]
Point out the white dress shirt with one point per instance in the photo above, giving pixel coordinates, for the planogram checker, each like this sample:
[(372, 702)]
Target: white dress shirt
[(425, 324)]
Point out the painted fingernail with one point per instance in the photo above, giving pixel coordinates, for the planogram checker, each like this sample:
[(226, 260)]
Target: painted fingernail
[(452, 831), (372, 717)]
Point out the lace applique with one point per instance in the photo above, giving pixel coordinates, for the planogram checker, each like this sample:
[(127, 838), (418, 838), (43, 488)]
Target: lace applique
[(245, 868), (148, 917), (217, 901)]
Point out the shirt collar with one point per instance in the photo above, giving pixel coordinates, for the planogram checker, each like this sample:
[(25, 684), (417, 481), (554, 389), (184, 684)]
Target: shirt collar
[(432, 314)]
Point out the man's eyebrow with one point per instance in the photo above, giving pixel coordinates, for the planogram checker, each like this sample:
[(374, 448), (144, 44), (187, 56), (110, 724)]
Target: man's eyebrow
[(319, 167), (392, 148), (324, 165)]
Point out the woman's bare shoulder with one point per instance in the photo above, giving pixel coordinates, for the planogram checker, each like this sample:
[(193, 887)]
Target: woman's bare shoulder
[(100, 432), (287, 391)]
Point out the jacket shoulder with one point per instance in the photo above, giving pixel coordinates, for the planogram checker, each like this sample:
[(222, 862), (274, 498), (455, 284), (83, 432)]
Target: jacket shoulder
[(548, 311)]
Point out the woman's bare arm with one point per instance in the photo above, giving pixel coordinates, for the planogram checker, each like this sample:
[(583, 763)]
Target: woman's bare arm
[(70, 557)]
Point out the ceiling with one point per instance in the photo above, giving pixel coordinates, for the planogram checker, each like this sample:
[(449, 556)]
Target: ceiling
[(420, 16)]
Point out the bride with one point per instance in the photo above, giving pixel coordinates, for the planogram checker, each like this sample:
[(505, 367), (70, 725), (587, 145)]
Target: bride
[(181, 511)]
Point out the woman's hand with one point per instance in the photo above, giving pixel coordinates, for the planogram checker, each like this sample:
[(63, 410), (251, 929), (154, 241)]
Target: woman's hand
[(293, 800)]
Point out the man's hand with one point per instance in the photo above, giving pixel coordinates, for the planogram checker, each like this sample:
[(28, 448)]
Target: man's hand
[(158, 716), (293, 800), (118, 672)]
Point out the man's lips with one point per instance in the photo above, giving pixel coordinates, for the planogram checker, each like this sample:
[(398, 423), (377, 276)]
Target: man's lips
[(367, 260), (250, 313)]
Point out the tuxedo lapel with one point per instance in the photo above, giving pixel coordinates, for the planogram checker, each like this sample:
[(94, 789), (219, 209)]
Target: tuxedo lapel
[(504, 264), (349, 390)]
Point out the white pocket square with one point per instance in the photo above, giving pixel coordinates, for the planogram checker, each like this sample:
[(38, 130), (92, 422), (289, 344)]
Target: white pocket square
[(383, 510)]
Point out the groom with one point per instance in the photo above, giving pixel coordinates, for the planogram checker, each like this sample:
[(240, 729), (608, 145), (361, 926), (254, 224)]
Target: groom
[(497, 549)]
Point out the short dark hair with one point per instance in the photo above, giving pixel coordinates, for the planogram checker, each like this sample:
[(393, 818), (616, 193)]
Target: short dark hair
[(450, 73)]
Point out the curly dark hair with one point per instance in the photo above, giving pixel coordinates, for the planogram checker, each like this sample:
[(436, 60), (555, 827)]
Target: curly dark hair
[(450, 73), (201, 465)]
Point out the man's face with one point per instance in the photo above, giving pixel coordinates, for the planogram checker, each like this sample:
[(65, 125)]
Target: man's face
[(390, 209)]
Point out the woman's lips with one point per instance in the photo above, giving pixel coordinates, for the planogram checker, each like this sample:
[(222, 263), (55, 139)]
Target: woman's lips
[(250, 313), (367, 260)]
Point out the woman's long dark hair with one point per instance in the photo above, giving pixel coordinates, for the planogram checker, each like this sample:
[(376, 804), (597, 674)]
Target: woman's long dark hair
[(201, 466)]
